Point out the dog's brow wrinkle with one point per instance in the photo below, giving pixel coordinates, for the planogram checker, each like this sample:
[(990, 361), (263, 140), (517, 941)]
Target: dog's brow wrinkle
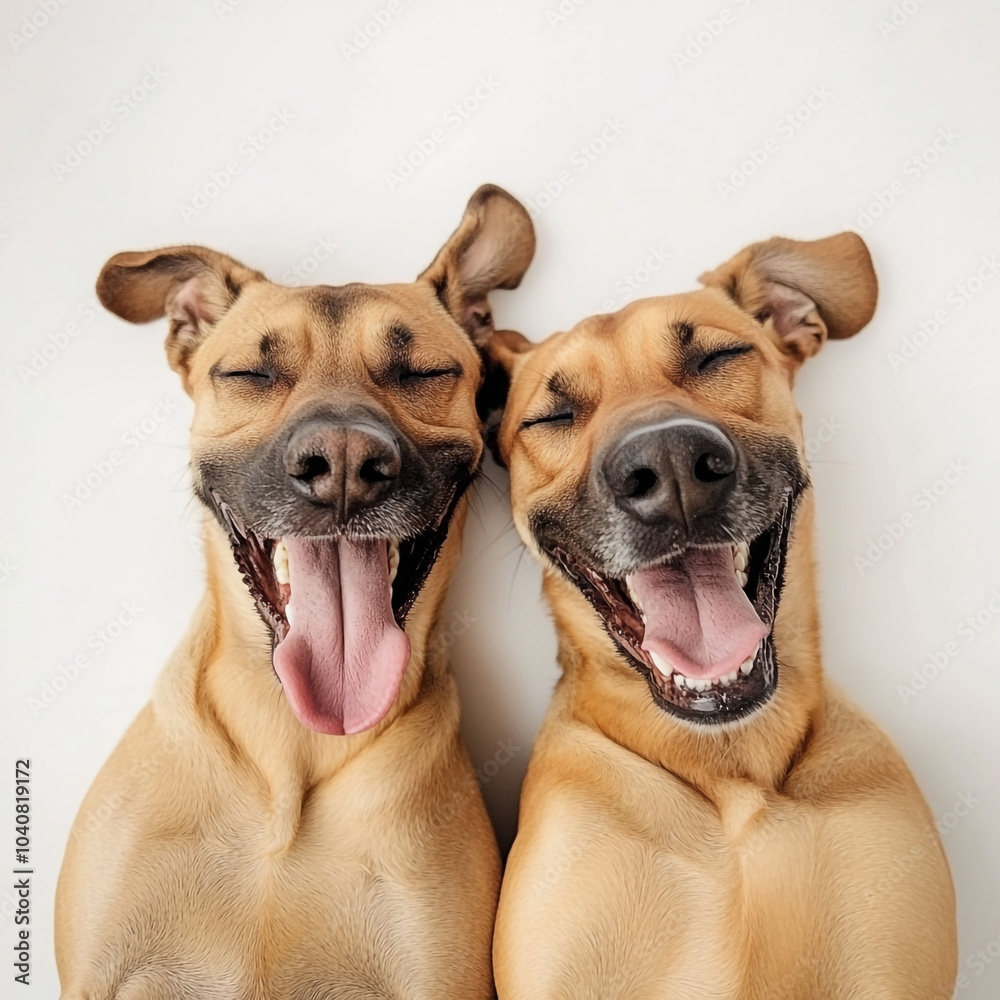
[(400, 335), (558, 384), (233, 286), (684, 331), (334, 303)]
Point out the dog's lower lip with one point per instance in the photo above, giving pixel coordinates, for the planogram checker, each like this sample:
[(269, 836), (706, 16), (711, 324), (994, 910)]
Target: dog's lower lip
[(695, 700)]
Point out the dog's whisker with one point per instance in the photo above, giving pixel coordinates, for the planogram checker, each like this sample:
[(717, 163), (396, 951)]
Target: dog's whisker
[(513, 578), (504, 532)]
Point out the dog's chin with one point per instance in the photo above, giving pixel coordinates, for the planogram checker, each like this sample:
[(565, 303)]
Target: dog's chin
[(758, 568)]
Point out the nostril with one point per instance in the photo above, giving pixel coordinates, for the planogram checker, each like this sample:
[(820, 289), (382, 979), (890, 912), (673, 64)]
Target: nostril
[(638, 483), (373, 471), (711, 468), (312, 468)]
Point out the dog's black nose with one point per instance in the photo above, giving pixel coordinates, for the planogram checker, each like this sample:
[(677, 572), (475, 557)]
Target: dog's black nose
[(677, 469), (343, 464)]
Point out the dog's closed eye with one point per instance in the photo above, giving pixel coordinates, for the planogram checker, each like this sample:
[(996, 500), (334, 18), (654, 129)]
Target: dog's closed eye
[(414, 376), (250, 374), (714, 359), (559, 418)]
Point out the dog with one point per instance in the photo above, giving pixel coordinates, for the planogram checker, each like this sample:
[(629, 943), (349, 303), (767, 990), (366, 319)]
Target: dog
[(294, 814), (704, 815)]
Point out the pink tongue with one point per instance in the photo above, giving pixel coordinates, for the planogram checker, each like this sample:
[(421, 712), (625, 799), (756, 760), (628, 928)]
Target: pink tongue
[(342, 661), (697, 616)]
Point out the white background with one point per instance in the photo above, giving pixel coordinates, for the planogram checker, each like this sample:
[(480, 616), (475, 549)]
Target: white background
[(891, 431)]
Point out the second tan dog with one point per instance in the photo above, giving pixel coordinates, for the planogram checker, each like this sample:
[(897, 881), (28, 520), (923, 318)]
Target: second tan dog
[(704, 814), (294, 815)]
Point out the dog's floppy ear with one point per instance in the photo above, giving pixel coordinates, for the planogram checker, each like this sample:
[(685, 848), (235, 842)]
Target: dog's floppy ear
[(491, 248), (809, 290), (500, 354), (193, 286)]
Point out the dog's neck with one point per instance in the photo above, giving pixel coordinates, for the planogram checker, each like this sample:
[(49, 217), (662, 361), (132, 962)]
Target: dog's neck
[(601, 689), (221, 680)]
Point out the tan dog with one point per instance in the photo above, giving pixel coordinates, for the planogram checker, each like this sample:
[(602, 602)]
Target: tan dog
[(703, 815), (232, 848)]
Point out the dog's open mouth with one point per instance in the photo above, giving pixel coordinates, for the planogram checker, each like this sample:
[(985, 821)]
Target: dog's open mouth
[(337, 609), (699, 628)]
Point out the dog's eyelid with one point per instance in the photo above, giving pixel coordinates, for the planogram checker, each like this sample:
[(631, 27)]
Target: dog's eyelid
[(421, 374), (711, 357), (251, 373), (557, 417)]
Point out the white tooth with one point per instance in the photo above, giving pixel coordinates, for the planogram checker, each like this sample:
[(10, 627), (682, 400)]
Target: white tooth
[(393, 561), (742, 577), (747, 665), (741, 557), (289, 615), (680, 680), (280, 561), (663, 665), (727, 679), (633, 596)]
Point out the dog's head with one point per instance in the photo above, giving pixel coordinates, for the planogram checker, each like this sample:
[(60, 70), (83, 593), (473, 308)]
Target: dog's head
[(657, 460), (335, 432)]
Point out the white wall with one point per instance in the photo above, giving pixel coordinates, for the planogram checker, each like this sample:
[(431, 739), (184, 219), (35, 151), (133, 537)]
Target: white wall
[(882, 94)]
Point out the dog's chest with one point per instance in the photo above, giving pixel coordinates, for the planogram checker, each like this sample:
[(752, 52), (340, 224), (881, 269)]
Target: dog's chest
[(236, 921), (263, 928)]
